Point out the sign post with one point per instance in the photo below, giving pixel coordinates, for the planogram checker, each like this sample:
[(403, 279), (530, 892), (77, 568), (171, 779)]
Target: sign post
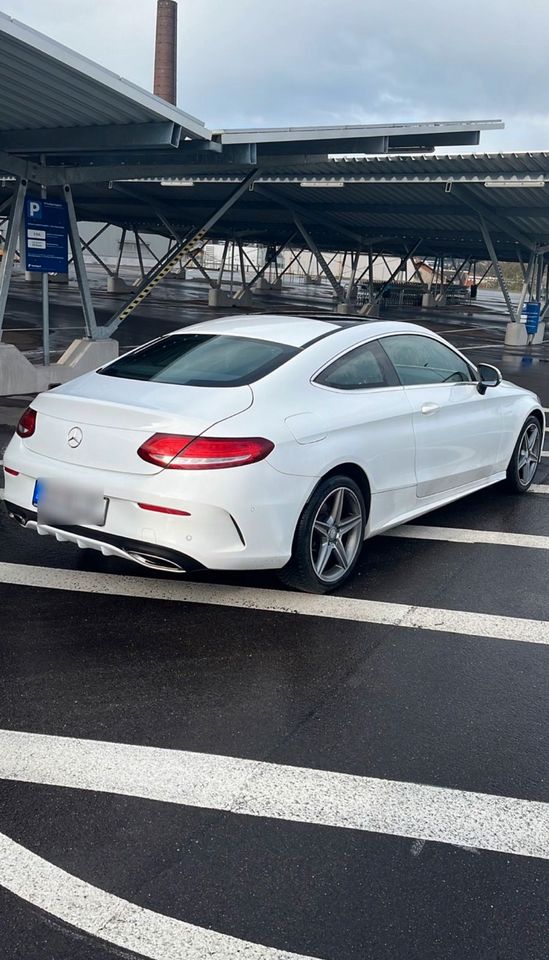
[(46, 248)]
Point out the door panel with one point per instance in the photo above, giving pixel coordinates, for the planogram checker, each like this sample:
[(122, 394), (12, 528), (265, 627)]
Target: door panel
[(458, 434)]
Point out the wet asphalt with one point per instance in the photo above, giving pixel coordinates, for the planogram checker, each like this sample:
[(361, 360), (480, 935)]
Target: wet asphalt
[(444, 709)]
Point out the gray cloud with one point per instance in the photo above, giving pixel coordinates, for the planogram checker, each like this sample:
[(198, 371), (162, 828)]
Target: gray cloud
[(245, 63)]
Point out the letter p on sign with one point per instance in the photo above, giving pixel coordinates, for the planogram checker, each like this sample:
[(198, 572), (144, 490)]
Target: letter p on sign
[(35, 208)]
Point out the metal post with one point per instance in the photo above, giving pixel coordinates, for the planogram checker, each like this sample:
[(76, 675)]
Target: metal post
[(80, 267), (260, 273), (120, 252), (139, 254), (45, 299), (10, 246), (495, 262), (526, 284), (355, 257), (381, 291), (222, 264)]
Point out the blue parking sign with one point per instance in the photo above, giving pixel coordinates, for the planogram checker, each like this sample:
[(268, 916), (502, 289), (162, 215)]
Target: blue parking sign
[(46, 236)]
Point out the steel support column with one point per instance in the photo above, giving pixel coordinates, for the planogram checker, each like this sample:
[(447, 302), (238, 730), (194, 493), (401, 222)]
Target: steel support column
[(495, 263), (10, 247), (409, 253), (338, 290), (180, 250), (268, 261), (80, 268)]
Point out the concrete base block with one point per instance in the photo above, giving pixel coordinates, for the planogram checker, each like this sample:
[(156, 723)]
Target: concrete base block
[(218, 298), (33, 277), (116, 285), (62, 278), (180, 274), (314, 279), (83, 356), (17, 375), (347, 309), (540, 335), (371, 311), (267, 285), (515, 334), (428, 300)]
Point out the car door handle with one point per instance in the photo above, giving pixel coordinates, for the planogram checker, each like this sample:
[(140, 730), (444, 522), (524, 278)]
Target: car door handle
[(429, 408)]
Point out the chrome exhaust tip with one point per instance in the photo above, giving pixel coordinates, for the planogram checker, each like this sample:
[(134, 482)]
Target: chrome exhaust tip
[(156, 563)]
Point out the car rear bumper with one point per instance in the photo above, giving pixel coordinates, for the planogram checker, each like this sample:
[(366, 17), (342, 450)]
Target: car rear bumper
[(150, 555), (237, 519)]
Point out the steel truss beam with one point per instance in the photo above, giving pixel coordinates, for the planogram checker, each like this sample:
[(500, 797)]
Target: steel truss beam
[(493, 218), (10, 246), (181, 249)]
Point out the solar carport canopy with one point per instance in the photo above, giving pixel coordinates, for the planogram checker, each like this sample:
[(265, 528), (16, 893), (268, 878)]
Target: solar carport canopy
[(389, 203)]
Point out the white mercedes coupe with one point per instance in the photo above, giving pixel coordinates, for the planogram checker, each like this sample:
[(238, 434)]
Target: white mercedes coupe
[(267, 442)]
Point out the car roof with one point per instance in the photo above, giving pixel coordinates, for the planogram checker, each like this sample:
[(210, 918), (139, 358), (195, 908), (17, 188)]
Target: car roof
[(297, 331)]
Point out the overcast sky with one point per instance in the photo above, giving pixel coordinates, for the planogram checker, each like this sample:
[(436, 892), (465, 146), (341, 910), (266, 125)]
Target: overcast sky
[(289, 62)]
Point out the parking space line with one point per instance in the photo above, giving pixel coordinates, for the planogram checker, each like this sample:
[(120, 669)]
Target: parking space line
[(116, 921), (539, 488), (460, 535), (277, 791), (281, 601)]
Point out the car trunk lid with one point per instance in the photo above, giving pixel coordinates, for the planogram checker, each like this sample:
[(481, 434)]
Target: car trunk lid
[(100, 423)]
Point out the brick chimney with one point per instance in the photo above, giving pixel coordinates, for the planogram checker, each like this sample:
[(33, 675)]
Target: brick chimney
[(165, 62)]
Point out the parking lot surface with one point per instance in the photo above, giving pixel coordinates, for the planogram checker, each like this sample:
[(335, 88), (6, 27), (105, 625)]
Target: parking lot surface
[(216, 767)]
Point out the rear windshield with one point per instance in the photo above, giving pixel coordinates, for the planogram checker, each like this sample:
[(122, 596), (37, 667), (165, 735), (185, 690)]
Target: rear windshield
[(202, 360)]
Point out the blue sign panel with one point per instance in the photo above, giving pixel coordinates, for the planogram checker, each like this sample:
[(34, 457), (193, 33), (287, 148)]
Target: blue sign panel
[(46, 236)]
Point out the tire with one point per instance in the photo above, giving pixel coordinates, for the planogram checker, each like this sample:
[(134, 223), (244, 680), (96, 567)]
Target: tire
[(526, 457), (324, 554)]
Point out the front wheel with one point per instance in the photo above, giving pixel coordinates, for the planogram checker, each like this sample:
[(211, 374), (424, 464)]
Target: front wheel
[(526, 457), (328, 538)]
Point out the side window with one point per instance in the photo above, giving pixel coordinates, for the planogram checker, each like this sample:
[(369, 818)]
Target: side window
[(419, 359), (363, 368)]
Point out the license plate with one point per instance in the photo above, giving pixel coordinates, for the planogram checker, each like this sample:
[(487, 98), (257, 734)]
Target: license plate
[(61, 503)]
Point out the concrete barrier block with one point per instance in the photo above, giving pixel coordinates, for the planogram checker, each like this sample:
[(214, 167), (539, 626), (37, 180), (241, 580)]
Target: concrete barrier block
[(116, 285), (17, 374), (515, 334), (81, 357), (540, 335)]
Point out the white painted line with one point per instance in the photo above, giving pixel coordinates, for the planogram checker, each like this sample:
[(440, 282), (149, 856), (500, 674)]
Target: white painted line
[(539, 488), (480, 346), (281, 792), (111, 919), (280, 601), (545, 453), (458, 535)]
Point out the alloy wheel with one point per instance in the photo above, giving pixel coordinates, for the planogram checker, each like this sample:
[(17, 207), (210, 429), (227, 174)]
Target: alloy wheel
[(529, 453), (336, 534)]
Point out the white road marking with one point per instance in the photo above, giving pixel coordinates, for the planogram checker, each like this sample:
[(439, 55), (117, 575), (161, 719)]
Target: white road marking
[(298, 794), (279, 601), (479, 346), (116, 921), (458, 535), (545, 453), (539, 488)]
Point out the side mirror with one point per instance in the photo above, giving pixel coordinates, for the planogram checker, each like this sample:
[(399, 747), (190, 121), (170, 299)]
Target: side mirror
[(489, 376)]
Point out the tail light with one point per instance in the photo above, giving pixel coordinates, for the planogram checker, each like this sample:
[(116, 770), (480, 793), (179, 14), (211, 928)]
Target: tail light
[(27, 423), (203, 453)]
